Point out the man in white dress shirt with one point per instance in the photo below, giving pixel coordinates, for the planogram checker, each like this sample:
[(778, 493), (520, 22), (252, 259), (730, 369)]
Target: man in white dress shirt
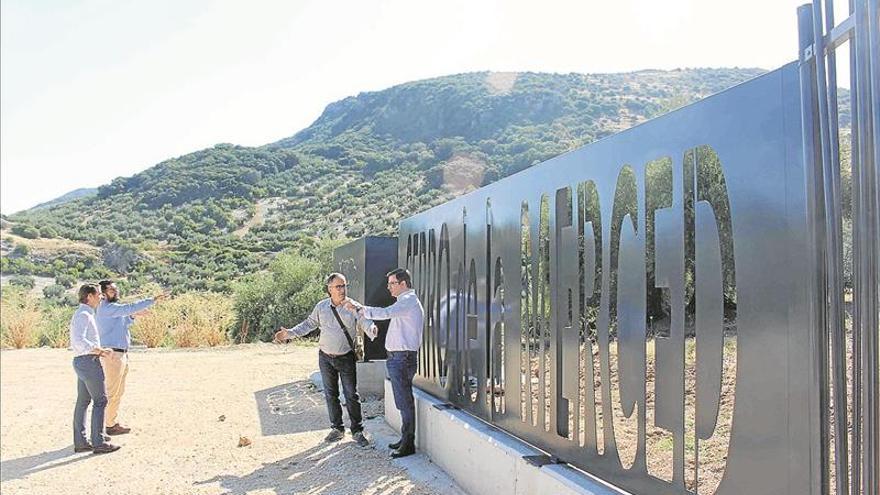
[(402, 343), (86, 345)]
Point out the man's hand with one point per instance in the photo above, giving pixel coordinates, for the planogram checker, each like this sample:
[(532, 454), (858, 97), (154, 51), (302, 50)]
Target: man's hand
[(281, 336), (372, 332), (352, 305)]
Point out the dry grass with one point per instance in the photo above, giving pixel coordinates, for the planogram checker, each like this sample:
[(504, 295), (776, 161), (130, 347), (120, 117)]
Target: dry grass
[(191, 320), (150, 329), (55, 327), (19, 320), (49, 247)]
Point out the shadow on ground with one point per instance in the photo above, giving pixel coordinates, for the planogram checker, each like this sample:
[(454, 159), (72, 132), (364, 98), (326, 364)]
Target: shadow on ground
[(291, 408), (306, 472), (14, 469)]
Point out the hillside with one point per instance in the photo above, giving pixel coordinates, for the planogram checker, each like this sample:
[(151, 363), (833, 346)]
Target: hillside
[(201, 220), (64, 198)]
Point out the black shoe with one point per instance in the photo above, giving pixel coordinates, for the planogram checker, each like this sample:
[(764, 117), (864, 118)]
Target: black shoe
[(83, 448), (105, 448), (395, 445), (334, 436), (403, 451), (361, 440)]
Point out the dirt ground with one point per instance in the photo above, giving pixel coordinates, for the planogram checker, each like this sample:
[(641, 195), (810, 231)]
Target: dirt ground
[(188, 410)]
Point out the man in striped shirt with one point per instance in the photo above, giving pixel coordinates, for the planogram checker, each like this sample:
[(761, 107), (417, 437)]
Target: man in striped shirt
[(336, 355)]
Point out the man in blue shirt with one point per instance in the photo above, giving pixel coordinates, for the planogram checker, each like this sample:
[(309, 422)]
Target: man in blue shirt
[(114, 319), (90, 388)]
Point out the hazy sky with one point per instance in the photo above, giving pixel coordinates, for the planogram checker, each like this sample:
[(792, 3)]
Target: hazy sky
[(96, 89)]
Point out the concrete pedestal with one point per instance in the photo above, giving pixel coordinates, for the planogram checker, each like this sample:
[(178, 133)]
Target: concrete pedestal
[(484, 460)]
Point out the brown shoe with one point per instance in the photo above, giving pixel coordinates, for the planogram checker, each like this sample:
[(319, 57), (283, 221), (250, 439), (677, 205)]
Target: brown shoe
[(117, 429), (83, 448), (105, 448)]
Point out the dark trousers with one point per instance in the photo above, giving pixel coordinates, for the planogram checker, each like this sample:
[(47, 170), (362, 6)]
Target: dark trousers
[(89, 388), (332, 369), (402, 366)]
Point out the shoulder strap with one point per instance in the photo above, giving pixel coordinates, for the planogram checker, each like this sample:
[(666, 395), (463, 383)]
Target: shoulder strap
[(342, 325)]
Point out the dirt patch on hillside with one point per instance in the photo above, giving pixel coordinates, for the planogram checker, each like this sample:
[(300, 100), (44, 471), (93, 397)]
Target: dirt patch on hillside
[(43, 247), (463, 173), (500, 83)]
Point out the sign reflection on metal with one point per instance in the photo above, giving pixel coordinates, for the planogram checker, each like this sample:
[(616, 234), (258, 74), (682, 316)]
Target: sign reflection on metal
[(637, 307)]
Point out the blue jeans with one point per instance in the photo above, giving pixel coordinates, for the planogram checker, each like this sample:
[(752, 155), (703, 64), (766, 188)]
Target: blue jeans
[(89, 388), (402, 366), (332, 369)]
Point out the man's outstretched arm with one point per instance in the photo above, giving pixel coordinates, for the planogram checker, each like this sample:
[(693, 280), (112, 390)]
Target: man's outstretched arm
[(115, 310), (307, 326)]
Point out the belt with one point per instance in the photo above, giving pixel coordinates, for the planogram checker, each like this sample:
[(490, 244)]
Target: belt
[(119, 350), (335, 355)]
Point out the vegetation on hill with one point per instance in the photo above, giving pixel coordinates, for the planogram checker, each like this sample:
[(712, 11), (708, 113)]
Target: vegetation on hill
[(214, 219), (75, 194)]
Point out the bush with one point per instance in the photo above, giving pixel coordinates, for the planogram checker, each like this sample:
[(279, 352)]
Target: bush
[(20, 251), (19, 319), (66, 281), (150, 329), (22, 281), (190, 320), (53, 291), (26, 231), (283, 296), (201, 319), (105, 238), (48, 232), (55, 327)]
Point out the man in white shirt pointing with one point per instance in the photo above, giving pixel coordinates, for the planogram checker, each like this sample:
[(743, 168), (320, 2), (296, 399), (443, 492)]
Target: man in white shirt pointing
[(402, 343)]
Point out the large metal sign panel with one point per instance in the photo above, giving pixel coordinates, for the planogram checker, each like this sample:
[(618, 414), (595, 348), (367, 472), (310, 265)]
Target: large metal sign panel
[(638, 307)]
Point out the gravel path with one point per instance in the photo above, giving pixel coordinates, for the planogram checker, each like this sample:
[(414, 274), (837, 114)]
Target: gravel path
[(188, 410)]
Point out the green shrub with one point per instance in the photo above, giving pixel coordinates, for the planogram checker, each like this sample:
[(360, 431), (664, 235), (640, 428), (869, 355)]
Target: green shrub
[(22, 281), (283, 296), (66, 281), (26, 231), (53, 291), (20, 251)]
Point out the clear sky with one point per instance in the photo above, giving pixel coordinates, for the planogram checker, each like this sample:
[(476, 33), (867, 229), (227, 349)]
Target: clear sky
[(91, 90)]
